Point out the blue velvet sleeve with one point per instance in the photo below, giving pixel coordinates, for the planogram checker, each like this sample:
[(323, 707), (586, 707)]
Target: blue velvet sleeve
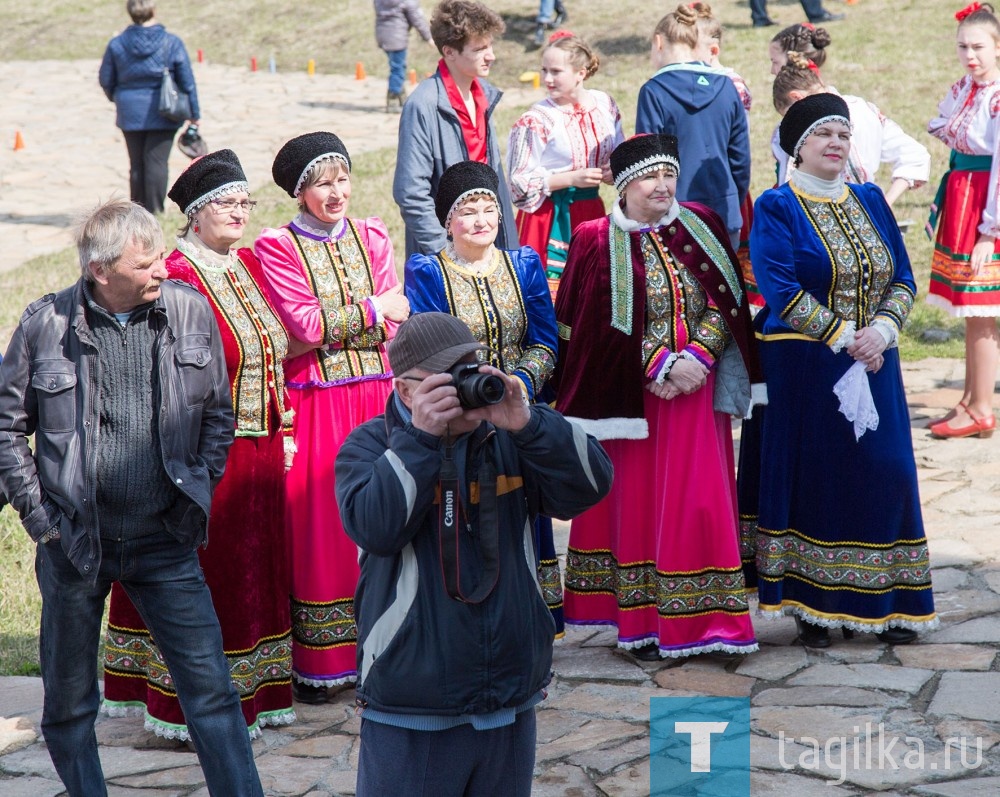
[(772, 252), (541, 341), (423, 285), (897, 301), (648, 116)]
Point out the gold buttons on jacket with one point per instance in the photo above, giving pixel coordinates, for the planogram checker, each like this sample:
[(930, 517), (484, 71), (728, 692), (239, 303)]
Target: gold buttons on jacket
[(734, 312), (704, 266), (722, 289), (687, 248)]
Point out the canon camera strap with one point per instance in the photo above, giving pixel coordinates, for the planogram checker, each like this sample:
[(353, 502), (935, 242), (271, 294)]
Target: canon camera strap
[(451, 516)]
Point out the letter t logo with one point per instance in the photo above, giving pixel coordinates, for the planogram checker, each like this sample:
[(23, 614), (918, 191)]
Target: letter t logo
[(701, 741)]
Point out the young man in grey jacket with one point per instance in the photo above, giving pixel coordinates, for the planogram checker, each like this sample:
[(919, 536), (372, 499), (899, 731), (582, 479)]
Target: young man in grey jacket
[(454, 636), (448, 119)]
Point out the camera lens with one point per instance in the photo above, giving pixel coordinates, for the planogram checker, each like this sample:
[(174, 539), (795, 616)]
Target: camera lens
[(476, 389), (489, 389)]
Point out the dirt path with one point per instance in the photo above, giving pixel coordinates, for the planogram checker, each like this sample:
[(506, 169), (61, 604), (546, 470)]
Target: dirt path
[(74, 156)]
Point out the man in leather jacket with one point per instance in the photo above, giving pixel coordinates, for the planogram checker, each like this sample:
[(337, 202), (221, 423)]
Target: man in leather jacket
[(454, 636), (121, 379)]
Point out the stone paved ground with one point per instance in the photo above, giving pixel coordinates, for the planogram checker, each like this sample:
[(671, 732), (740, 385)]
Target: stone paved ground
[(593, 730)]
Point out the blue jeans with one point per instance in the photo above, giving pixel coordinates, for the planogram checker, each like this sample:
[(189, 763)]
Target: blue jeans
[(166, 584), (547, 9), (397, 70)]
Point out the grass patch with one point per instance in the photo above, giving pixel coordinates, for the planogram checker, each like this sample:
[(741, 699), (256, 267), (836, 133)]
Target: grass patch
[(867, 58), (20, 603)]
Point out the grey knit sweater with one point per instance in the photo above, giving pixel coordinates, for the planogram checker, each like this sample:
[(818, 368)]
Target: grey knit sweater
[(133, 488)]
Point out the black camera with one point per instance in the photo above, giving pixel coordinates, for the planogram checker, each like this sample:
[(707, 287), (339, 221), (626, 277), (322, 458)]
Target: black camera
[(476, 389)]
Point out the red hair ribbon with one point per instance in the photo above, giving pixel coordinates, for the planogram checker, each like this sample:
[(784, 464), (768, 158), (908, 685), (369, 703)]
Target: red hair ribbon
[(561, 34), (813, 67), (972, 7), (808, 26)]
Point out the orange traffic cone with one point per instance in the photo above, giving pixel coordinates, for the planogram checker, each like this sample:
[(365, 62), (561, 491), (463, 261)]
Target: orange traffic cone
[(18, 141), (359, 71), (413, 77)]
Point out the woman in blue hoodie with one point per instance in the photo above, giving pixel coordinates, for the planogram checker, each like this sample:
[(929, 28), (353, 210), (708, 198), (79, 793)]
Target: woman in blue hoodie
[(130, 75), (699, 105)]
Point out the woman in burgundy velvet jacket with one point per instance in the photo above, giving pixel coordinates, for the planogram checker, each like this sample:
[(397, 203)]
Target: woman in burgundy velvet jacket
[(656, 354)]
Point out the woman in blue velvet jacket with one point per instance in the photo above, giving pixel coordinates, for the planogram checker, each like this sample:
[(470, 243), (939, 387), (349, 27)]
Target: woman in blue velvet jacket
[(131, 74)]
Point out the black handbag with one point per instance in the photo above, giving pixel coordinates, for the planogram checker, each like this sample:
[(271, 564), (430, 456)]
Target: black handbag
[(175, 105)]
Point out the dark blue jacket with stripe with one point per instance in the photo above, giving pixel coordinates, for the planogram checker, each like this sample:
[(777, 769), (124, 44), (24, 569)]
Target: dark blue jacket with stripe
[(419, 650)]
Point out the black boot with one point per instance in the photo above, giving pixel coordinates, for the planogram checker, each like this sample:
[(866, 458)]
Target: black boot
[(305, 693), (812, 635), (394, 102), (897, 636), (650, 652)]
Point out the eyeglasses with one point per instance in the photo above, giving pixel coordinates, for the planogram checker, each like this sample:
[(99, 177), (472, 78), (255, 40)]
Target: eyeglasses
[(222, 206)]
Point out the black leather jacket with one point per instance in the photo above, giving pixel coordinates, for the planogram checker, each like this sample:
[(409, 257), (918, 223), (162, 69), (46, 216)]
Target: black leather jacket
[(48, 387)]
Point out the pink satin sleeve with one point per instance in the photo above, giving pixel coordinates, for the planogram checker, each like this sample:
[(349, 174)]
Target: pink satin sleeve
[(288, 289)]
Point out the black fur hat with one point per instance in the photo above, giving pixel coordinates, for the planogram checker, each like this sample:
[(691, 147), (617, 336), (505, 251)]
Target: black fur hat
[(462, 180), (294, 160), (806, 115), (208, 177), (642, 154)]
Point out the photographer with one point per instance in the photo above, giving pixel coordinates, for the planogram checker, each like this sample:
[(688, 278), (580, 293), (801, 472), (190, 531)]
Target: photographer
[(454, 638)]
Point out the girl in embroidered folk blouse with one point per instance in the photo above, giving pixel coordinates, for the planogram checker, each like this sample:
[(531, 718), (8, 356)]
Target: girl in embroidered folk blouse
[(502, 296), (333, 282), (652, 307), (559, 153), (831, 264), (965, 271), (246, 566)]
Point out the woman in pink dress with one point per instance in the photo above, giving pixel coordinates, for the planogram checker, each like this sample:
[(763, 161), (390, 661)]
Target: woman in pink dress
[(333, 282), (656, 354)]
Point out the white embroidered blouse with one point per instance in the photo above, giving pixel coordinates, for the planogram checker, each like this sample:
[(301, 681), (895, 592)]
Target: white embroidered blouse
[(550, 138)]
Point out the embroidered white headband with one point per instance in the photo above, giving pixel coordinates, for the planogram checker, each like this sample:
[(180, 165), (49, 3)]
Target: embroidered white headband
[(836, 117), (326, 156), (215, 193), (645, 166)]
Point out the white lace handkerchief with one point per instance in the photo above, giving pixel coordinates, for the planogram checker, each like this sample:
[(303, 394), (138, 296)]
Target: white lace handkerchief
[(856, 403)]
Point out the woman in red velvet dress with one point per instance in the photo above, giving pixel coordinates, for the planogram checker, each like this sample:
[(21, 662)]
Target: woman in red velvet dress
[(246, 566), (656, 353)]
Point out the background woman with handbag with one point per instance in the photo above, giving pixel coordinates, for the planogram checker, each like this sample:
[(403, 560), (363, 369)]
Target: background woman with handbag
[(131, 75)]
